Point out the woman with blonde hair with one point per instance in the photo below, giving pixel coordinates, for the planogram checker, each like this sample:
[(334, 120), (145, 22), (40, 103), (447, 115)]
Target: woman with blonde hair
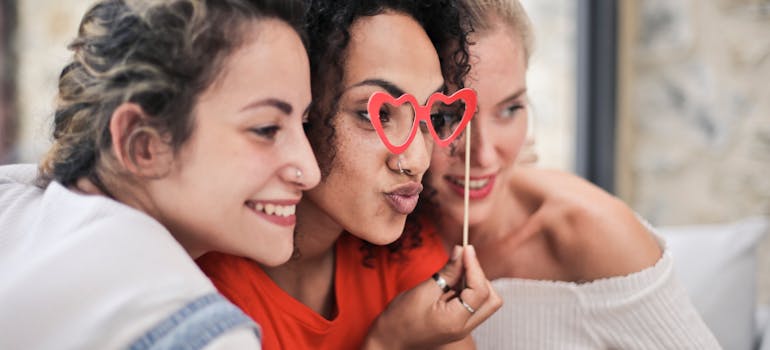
[(575, 266), (177, 131)]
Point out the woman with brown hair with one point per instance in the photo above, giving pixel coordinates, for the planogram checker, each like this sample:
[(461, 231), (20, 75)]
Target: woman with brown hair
[(178, 131)]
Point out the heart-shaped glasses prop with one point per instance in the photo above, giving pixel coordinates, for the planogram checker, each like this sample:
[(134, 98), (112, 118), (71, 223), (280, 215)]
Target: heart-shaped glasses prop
[(445, 116), (397, 122)]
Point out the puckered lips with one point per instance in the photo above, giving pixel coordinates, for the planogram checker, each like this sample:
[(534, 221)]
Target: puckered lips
[(403, 198), (279, 212), (479, 187)]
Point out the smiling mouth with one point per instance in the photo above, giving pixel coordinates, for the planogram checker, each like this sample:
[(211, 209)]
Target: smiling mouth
[(273, 209), (478, 188), (472, 184)]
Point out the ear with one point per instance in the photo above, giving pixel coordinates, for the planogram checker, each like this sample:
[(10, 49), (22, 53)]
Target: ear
[(137, 147)]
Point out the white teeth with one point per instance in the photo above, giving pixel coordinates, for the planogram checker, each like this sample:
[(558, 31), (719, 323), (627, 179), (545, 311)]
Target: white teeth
[(277, 210), (473, 184)]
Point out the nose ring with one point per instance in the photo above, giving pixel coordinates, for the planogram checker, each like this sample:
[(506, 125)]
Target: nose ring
[(400, 168)]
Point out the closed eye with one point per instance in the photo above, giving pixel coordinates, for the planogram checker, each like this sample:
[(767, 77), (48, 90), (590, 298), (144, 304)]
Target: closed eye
[(510, 111), (267, 132)]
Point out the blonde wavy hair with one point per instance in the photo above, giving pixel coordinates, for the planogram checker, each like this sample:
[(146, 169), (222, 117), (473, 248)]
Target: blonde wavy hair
[(482, 16)]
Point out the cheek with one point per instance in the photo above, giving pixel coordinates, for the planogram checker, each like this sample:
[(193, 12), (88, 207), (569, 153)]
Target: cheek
[(510, 138), (439, 164)]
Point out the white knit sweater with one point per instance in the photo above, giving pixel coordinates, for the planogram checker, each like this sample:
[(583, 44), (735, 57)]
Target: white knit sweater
[(645, 310)]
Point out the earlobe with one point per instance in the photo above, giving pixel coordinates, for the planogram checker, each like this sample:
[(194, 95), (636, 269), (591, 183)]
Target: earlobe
[(137, 147)]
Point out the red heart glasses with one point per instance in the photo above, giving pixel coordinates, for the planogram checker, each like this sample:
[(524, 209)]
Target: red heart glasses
[(445, 116)]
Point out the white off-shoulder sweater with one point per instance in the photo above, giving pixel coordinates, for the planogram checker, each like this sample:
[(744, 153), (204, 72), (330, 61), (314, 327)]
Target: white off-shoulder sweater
[(649, 309)]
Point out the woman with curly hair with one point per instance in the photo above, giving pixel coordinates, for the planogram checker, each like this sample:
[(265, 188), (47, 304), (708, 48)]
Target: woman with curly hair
[(332, 292), (575, 265), (176, 122)]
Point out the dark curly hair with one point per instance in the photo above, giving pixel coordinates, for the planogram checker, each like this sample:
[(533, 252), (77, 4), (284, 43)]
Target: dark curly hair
[(328, 26)]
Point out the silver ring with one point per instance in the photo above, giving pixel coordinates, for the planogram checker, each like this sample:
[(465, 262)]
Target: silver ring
[(441, 282), (298, 174), (466, 306), (400, 169)]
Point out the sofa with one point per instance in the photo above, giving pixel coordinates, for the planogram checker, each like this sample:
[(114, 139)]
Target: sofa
[(718, 266)]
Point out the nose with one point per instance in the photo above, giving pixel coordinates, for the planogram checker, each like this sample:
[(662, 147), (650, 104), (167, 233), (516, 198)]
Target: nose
[(301, 167), (416, 158), (482, 150)]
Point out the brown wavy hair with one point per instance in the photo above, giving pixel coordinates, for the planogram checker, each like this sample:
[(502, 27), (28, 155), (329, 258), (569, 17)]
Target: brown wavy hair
[(157, 54)]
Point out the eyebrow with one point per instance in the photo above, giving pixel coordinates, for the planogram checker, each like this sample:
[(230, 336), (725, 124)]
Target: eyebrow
[(279, 104), (389, 87), (512, 97)]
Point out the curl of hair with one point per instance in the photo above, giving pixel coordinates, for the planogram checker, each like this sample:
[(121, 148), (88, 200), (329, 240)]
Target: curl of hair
[(328, 25), (482, 16), (158, 54)]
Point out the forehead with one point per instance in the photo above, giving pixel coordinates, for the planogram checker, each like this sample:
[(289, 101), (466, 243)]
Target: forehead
[(279, 56), (394, 47), (498, 52)]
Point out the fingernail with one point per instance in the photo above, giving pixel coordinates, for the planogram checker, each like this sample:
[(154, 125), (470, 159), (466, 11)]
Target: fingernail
[(456, 253), (471, 251)]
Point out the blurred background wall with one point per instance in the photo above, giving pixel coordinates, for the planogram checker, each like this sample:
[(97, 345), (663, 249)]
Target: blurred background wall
[(694, 131)]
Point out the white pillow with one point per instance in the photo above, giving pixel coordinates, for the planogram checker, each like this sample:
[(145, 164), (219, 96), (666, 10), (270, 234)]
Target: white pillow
[(717, 265)]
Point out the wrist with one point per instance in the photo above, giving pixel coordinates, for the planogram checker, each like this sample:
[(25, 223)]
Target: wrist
[(379, 338)]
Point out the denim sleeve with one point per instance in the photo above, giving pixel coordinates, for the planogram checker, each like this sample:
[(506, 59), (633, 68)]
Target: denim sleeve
[(195, 325)]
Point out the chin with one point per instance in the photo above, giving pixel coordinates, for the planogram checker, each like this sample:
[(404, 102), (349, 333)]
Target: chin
[(383, 236), (274, 258), (476, 214)]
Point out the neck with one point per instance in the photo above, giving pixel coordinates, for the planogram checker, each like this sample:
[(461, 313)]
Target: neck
[(309, 275), (481, 232)]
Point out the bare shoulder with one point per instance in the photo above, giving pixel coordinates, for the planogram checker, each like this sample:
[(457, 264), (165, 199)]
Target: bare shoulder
[(580, 229)]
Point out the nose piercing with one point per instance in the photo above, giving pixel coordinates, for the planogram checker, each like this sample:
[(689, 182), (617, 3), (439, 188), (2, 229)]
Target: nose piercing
[(298, 174), (401, 169)]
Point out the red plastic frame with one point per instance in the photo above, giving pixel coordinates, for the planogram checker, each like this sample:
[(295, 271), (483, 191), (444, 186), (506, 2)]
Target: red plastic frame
[(422, 113)]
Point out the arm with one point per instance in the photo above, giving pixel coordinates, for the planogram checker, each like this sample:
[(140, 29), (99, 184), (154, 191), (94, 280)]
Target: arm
[(649, 309)]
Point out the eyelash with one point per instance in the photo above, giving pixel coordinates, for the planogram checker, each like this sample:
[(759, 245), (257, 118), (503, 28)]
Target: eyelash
[(509, 112), (267, 132), (364, 116)]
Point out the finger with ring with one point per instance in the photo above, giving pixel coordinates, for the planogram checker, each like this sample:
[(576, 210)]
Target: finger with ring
[(467, 307), (441, 282)]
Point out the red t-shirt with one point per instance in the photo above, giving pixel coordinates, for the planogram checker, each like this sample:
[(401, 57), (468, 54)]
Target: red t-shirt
[(362, 292)]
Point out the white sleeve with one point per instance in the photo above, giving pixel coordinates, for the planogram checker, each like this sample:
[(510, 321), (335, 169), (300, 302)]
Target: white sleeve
[(645, 310), (648, 309)]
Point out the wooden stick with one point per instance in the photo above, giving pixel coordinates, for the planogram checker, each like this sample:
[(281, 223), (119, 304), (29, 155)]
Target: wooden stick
[(467, 183)]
